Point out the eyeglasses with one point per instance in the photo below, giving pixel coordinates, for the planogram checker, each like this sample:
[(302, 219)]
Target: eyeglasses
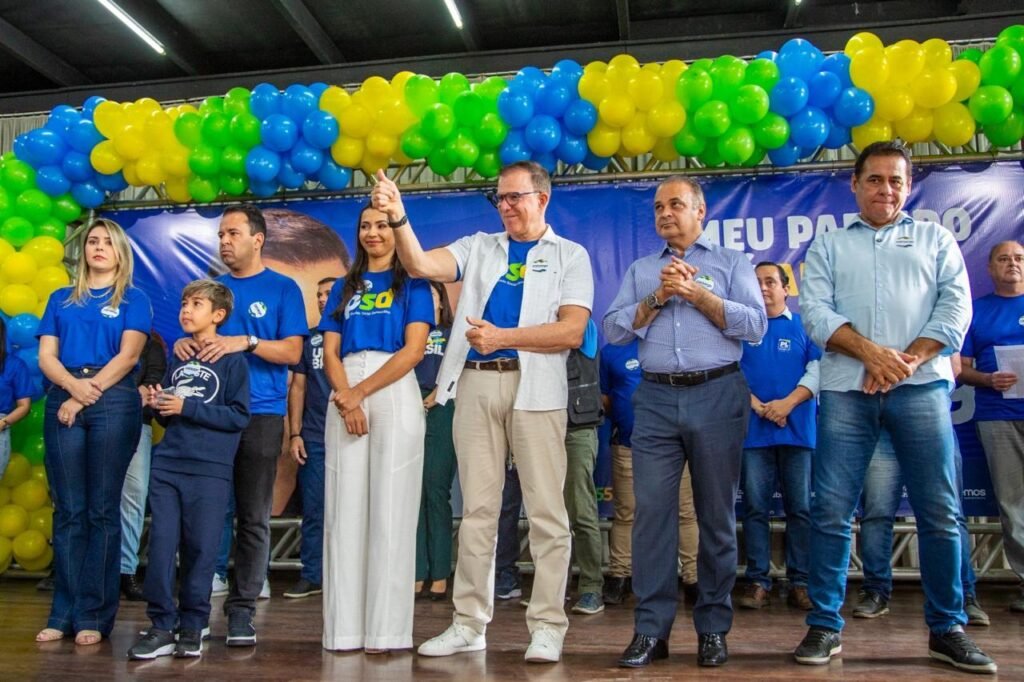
[(512, 198)]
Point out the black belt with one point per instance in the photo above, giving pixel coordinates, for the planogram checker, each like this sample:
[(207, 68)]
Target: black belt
[(83, 371), (499, 365), (692, 378)]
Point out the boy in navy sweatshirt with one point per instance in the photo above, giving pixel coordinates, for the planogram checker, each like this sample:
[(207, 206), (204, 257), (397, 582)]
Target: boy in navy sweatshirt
[(204, 409)]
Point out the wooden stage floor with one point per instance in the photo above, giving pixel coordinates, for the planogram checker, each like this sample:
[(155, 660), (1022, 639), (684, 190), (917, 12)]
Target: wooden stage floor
[(890, 648)]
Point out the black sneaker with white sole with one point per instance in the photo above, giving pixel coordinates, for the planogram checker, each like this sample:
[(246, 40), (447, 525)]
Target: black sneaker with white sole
[(957, 649), (303, 588), (818, 647), (241, 631), (151, 645), (205, 633), (190, 644)]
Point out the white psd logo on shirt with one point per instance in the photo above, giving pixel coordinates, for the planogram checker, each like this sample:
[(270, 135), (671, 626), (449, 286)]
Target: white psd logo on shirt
[(257, 309), (110, 312)]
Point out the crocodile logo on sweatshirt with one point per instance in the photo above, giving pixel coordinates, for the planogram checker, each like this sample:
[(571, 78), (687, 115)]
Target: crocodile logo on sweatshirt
[(195, 380)]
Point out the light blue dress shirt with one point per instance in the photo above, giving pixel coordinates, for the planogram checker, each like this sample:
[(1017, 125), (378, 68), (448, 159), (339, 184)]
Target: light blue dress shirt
[(680, 338), (892, 284)]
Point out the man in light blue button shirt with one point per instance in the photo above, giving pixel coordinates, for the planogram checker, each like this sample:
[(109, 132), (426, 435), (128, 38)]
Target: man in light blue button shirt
[(886, 298), (691, 304)]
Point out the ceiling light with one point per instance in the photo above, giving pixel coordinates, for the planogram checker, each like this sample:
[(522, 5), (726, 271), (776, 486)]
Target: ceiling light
[(454, 11), (135, 26)]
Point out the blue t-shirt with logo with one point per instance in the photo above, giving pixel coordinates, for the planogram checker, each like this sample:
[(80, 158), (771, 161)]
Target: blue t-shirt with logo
[(430, 365), (375, 318), (506, 300), (14, 383), (268, 306), (89, 333), (773, 368), (997, 321), (318, 389), (620, 375)]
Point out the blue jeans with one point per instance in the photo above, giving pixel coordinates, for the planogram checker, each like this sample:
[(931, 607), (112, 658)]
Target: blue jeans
[(759, 470), (311, 485), (85, 465), (883, 490), (917, 419), (227, 534), (133, 501)]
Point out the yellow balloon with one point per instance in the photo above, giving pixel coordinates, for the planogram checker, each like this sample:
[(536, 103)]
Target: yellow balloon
[(893, 104), (147, 105), (158, 124), (30, 495), (373, 163), (5, 250), (39, 563), (645, 89), (108, 118), (130, 143), (30, 544), (593, 87), (394, 118), (150, 170), (968, 78), (356, 121), (44, 250), (666, 118), (6, 554), (334, 100), (954, 126), (595, 67), (915, 128), (347, 151), (42, 520), (16, 299), (41, 309), (158, 433), (937, 52), (377, 89), (875, 130), (861, 41), (398, 82), (906, 60), (617, 110), (604, 140), (379, 143), (105, 158), (19, 268), (48, 280), (624, 61), (636, 138), (670, 73), (131, 174), (177, 189), (5, 495), (869, 69), (174, 162), (13, 521), (39, 472), (934, 87)]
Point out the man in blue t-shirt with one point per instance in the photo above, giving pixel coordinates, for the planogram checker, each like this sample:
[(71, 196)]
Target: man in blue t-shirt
[(308, 395), (268, 324), (998, 409)]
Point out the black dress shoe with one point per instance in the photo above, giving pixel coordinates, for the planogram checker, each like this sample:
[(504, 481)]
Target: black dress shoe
[(690, 592), (712, 650), (642, 651), (616, 590), (131, 587)]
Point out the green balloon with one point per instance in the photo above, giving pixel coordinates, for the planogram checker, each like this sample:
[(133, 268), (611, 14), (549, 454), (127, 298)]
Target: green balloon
[(490, 88), (763, 72), (245, 130), (702, 64), (990, 104), (439, 162), (6, 205), (687, 142), (234, 185), (18, 176), (438, 123), (772, 131), (728, 77), (52, 227), (34, 449), (237, 101), (203, 190), (1012, 36), (33, 205), (971, 54), (217, 129), (488, 164), (421, 93), (491, 131), (232, 161), (66, 209), (710, 156), (1017, 92), (16, 230), (1008, 132), (468, 108), (756, 158), (461, 149), (188, 129), (750, 104), (31, 425), (415, 144), (712, 118), (212, 104), (736, 145), (1000, 66), (694, 88), (204, 161), (452, 84)]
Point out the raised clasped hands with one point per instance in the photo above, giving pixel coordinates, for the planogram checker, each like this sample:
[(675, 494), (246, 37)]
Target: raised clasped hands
[(386, 197)]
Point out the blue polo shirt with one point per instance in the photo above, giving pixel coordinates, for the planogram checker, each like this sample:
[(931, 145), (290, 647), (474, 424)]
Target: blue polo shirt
[(89, 332), (620, 375), (773, 368), (14, 383), (502, 309), (318, 389), (998, 321)]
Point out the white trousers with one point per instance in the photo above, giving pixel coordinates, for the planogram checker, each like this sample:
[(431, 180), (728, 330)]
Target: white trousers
[(371, 508)]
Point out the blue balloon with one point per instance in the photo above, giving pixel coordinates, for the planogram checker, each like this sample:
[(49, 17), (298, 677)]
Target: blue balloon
[(516, 108), (299, 101), (62, 117), (572, 149), (114, 182), (853, 108), (553, 98), (52, 181), (527, 80), (87, 194), (567, 68), (838, 137), (824, 89), (30, 356), (91, 103), (543, 134), (798, 57), (788, 96), (306, 158), (83, 136), (263, 188), (320, 129), (595, 162), (20, 147), (332, 176), (770, 55), (279, 133), (514, 148), (808, 128), (21, 330), (839, 64), (76, 167), (786, 155), (547, 160), (265, 100), (580, 118), (318, 89), (262, 166), (44, 147), (289, 177)]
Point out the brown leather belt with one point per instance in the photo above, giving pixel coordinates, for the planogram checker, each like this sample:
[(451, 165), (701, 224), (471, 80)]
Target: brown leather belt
[(499, 365), (692, 378)]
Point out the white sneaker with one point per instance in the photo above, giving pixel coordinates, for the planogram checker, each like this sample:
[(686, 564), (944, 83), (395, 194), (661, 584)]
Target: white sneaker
[(265, 592), (456, 639), (220, 586), (545, 646)]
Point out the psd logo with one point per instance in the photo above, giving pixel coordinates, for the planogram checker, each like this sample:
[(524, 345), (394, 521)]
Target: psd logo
[(257, 309), (706, 281), (516, 273), (110, 312), (369, 302), (632, 364), (316, 340), (904, 241)]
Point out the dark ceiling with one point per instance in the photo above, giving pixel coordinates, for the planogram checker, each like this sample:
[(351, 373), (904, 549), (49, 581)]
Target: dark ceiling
[(62, 51)]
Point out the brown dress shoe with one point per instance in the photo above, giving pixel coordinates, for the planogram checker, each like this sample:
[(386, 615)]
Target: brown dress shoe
[(798, 598), (754, 597)]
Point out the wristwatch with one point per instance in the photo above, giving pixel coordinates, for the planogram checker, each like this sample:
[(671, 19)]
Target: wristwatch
[(651, 301), (398, 223), (253, 341)]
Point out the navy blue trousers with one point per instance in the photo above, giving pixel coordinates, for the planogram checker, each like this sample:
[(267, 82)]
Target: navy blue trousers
[(704, 425), (187, 518)]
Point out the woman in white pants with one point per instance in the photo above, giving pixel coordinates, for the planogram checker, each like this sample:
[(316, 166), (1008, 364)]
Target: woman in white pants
[(375, 328)]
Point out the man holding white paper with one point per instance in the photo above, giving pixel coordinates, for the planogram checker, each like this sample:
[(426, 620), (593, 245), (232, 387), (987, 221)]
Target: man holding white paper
[(994, 347)]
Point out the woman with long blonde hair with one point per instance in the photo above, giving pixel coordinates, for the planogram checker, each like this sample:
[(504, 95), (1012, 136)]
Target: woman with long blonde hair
[(90, 338)]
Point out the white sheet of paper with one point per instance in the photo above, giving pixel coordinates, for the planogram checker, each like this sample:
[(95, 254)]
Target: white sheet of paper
[(1011, 359)]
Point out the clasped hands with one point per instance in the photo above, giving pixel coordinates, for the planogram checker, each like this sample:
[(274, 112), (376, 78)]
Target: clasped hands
[(349, 403), (83, 392), (677, 279), (885, 367), (775, 411)]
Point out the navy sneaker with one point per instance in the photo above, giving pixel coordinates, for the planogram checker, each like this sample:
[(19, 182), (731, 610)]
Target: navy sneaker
[(151, 645), (241, 631), (190, 644)]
